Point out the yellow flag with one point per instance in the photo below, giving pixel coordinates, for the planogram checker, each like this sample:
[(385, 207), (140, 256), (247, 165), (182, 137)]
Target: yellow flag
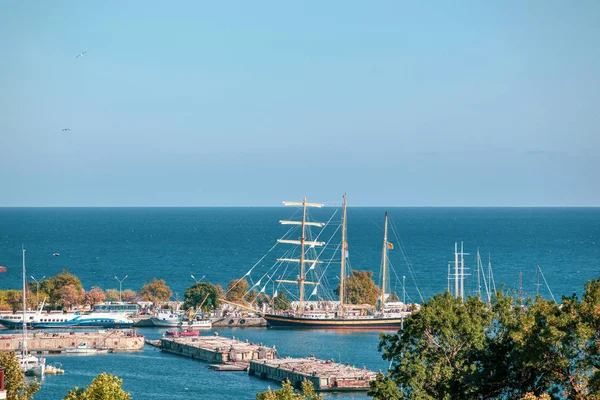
[(390, 246)]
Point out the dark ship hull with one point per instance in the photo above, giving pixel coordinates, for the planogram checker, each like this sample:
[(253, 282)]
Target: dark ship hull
[(293, 322)]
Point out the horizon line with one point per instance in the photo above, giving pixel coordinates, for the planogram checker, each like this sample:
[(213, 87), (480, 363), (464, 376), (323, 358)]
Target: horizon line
[(326, 205)]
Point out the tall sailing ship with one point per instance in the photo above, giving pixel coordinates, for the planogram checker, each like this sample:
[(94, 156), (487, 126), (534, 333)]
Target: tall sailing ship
[(345, 316)]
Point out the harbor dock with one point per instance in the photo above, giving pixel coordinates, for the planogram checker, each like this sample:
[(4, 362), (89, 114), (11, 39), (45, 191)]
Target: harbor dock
[(225, 354), (40, 342), (217, 349), (325, 375)]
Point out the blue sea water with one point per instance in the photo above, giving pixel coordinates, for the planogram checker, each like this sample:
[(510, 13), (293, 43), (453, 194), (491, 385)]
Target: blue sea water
[(98, 244)]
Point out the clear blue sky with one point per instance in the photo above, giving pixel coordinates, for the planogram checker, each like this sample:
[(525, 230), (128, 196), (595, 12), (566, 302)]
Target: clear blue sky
[(466, 103)]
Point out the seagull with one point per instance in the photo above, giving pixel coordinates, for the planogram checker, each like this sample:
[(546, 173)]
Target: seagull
[(81, 54), (66, 129)]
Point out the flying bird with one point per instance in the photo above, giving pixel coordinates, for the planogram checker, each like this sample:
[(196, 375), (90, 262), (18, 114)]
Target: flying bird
[(81, 54), (66, 129)]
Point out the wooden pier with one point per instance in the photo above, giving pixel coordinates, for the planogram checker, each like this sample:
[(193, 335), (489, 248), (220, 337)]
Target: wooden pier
[(324, 375), (40, 342)]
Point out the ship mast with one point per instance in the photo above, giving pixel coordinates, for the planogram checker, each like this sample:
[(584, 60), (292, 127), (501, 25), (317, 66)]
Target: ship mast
[(343, 261), (302, 278), (385, 249), (303, 243), (24, 344)]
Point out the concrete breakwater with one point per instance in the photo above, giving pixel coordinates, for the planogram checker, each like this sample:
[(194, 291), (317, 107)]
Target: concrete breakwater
[(324, 375), (262, 361), (39, 342), (217, 349)]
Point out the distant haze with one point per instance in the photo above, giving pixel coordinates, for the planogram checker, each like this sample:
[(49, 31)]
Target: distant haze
[(249, 103)]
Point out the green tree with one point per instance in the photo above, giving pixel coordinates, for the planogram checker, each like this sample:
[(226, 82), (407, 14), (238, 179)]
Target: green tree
[(472, 350), (281, 302), (236, 290), (14, 380), (196, 294), (287, 392), (384, 388), (103, 387), (112, 294), (54, 284), (433, 357), (156, 291), (14, 298), (360, 288), (261, 299)]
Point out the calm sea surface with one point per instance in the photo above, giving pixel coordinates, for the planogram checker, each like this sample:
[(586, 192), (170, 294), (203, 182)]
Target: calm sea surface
[(224, 243)]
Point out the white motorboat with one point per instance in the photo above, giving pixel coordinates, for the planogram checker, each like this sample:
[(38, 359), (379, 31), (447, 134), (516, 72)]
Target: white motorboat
[(196, 323), (82, 348), (166, 319)]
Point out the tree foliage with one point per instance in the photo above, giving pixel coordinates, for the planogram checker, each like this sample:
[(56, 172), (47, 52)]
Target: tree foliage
[(472, 350), (112, 294), (103, 387), (129, 296), (384, 388), (236, 290), (14, 380), (261, 299), (360, 288), (281, 302), (69, 296), (196, 294), (94, 296), (287, 392), (14, 299), (393, 297), (156, 291), (53, 285)]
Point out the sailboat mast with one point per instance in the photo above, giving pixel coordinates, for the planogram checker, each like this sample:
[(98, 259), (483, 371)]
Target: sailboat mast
[(24, 343), (302, 249), (385, 249), (343, 261), (537, 273), (520, 286), (462, 270), (449, 279), (456, 272), (478, 274)]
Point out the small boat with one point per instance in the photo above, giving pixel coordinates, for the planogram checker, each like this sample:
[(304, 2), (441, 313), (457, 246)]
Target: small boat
[(56, 254), (196, 322), (81, 349), (54, 369), (184, 333), (166, 319), (32, 365)]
